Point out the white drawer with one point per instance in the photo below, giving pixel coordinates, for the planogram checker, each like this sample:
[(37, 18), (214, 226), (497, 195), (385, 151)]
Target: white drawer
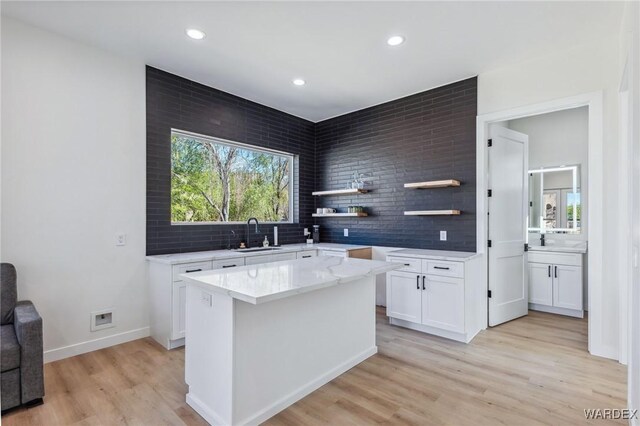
[(445, 269), (410, 264), (305, 254), (555, 258), (335, 253), (282, 256), (186, 268), (228, 263)]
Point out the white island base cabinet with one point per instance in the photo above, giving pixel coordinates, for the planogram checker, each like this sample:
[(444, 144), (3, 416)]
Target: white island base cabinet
[(245, 363), (436, 296)]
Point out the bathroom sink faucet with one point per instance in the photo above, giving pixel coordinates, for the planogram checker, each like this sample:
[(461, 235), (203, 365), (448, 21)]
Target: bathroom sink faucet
[(257, 230)]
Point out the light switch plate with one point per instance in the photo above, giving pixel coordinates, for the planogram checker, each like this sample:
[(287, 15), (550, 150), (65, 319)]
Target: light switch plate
[(346, 232), (443, 235), (121, 239)]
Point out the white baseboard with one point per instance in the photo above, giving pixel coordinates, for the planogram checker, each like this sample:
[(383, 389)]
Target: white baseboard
[(93, 345), (205, 412)]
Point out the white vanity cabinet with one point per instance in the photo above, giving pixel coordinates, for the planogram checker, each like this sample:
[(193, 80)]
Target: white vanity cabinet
[(436, 292), (556, 282)]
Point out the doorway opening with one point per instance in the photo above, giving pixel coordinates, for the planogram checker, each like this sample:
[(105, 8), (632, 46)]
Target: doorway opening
[(565, 223), (546, 212)]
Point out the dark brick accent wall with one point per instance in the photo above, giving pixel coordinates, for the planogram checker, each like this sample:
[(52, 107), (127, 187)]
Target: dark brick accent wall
[(174, 102), (427, 136)]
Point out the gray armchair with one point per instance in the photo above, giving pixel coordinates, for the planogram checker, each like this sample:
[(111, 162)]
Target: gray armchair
[(21, 363)]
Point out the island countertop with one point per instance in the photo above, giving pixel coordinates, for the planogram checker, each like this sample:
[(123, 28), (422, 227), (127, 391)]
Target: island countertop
[(271, 281)]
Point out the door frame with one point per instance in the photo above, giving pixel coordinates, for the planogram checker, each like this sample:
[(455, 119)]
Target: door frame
[(594, 102)]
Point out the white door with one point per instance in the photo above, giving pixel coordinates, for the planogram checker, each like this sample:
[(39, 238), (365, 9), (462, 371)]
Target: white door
[(540, 284), (404, 296), (508, 209), (443, 303), (567, 287)]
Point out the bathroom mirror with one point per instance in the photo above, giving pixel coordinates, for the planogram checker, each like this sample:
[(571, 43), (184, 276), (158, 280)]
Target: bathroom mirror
[(554, 200)]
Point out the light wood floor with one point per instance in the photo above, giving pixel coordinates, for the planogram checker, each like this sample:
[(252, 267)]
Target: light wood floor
[(535, 370)]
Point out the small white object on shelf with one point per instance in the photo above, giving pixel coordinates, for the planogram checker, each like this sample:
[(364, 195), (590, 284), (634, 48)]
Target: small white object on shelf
[(433, 184)]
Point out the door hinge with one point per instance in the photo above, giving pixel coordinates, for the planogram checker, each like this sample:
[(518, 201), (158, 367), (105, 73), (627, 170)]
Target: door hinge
[(489, 192), (489, 243), (490, 142), (526, 247), (489, 293)]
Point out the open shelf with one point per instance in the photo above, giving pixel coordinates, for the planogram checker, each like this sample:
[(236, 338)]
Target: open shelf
[(433, 184), (340, 215), (432, 213), (349, 191)]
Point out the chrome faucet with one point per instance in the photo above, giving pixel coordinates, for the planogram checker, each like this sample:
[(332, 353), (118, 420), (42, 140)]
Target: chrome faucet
[(257, 230)]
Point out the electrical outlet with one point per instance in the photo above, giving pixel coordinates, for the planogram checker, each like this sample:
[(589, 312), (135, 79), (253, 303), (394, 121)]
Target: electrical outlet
[(346, 232), (102, 319), (443, 235), (121, 239)]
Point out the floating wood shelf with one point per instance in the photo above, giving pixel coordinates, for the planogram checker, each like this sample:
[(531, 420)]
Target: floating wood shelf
[(340, 215), (433, 184), (432, 213), (349, 191)]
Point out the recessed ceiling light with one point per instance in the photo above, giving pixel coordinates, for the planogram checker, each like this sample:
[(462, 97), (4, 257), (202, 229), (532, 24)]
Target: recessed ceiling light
[(195, 34), (395, 40), (299, 82)]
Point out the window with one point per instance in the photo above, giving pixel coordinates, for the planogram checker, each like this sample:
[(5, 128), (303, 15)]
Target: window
[(223, 182)]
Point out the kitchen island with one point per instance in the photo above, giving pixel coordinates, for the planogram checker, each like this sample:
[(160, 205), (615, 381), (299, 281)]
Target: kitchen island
[(261, 337)]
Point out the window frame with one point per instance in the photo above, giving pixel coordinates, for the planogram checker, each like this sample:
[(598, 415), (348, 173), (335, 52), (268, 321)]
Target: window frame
[(291, 157)]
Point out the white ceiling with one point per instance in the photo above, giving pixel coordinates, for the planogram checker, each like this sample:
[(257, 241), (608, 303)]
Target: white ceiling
[(255, 49)]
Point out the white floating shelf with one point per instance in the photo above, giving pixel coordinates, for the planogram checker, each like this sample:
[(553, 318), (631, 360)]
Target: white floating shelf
[(433, 184), (349, 191), (340, 215), (432, 213)]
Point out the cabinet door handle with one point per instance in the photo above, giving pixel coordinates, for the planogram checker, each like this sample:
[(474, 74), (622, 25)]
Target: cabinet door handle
[(418, 282), (549, 271), (441, 267), (304, 257), (423, 286), (407, 264), (555, 271), (228, 266), (193, 270)]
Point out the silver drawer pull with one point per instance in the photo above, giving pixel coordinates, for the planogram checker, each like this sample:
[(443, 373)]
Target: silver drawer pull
[(193, 270), (440, 267)]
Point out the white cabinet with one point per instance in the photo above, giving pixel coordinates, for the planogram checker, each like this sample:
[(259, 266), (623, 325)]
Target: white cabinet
[(404, 296), (306, 254), (540, 284), (436, 296), (556, 283), (443, 303)]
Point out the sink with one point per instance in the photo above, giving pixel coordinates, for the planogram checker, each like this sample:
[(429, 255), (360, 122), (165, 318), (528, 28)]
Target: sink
[(257, 249)]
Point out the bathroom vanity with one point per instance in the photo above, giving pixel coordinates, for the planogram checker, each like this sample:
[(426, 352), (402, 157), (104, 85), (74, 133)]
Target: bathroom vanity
[(556, 278)]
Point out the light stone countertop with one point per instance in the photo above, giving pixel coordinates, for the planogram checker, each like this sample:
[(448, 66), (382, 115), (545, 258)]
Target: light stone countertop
[(202, 256), (271, 281)]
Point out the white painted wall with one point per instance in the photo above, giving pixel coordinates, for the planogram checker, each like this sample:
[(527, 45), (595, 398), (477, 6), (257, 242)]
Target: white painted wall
[(73, 175), (563, 74)]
